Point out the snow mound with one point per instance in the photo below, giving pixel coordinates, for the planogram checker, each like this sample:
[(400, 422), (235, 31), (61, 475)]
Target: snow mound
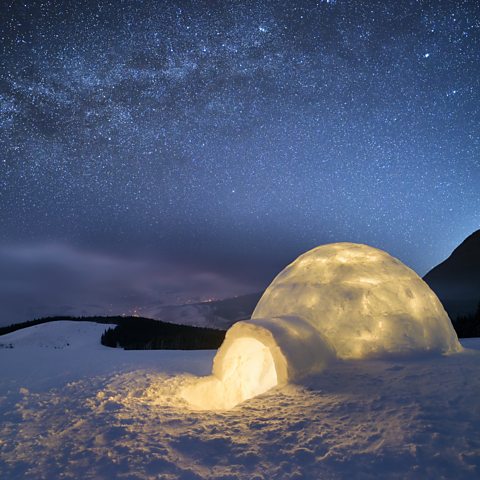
[(342, 300)]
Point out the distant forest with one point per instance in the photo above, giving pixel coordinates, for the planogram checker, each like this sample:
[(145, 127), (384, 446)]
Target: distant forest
[(468, 326), (136, 333)]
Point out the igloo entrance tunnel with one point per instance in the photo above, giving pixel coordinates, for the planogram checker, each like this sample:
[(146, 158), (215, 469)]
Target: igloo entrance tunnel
[(343, 300)]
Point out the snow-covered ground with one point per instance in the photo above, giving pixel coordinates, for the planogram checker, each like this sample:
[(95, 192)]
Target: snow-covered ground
[(71, 408)]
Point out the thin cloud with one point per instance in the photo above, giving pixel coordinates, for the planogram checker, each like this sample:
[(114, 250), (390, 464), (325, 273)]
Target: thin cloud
[(57, 279)]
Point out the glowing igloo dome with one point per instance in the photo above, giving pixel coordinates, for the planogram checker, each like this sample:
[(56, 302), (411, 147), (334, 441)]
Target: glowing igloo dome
[(362, 300), (342, 300)]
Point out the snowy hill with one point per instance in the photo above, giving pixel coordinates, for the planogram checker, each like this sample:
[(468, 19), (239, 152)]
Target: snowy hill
[(72, 408), (56, 335), (456, 281)]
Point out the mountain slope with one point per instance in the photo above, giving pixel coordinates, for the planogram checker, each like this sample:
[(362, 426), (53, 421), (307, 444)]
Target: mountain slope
[(456, 281), (216, 314)]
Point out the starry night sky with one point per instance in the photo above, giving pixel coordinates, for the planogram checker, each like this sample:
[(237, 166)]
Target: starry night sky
[(157, 151)]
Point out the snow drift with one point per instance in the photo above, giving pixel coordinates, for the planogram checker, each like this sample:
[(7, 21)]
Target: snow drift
[(342, 300)]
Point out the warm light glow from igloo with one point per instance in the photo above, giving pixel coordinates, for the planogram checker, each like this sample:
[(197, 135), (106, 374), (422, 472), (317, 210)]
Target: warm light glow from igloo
[(342, 300), (247, 371)]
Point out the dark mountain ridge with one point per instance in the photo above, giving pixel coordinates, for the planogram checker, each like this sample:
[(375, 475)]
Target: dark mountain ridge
[(456, 281)]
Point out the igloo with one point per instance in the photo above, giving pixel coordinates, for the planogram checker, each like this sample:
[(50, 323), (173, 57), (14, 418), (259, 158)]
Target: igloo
[(338, 301)]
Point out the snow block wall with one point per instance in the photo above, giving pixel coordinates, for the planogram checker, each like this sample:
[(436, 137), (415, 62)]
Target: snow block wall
[(342, 300)]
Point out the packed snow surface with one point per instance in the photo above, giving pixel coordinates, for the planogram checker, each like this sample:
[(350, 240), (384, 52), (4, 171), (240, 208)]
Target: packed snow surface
[(342, 300), (71, 408)]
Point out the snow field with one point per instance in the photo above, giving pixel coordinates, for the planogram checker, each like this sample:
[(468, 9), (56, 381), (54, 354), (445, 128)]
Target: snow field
[(91, 412)]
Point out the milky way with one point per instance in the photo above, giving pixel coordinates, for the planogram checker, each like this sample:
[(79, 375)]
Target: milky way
[(235, 135)]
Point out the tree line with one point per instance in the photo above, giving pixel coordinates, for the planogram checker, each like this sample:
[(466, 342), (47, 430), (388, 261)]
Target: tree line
[(468, 326)]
